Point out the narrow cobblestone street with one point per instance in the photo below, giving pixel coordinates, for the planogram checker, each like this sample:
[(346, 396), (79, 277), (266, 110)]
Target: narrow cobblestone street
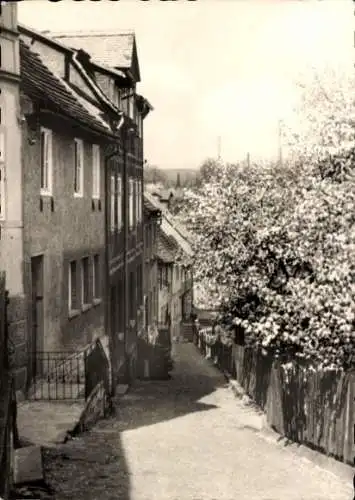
[(187, 438)]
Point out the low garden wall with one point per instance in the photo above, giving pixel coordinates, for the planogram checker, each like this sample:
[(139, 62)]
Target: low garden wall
[(315, 408)]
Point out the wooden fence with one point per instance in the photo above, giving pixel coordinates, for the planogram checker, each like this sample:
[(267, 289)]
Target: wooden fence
[(316, 408)]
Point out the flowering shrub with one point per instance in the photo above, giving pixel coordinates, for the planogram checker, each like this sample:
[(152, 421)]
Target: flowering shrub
[(275, 246)]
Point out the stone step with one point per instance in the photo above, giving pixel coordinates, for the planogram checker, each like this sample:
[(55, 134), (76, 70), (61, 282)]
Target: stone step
[(57, 391), (28, 465)]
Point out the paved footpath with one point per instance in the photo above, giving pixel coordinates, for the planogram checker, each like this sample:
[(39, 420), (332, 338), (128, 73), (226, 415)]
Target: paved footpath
[(187, 438)]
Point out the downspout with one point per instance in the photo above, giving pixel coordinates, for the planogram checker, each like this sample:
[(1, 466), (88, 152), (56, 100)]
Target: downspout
[(107, 257), (125, 251)]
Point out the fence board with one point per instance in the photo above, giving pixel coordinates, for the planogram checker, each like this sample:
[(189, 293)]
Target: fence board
[(311, 407)]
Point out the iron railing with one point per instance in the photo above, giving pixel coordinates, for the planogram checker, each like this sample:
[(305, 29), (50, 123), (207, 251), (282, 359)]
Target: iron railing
[(7, 434), (59, 375), (68, 375), (97, 368)]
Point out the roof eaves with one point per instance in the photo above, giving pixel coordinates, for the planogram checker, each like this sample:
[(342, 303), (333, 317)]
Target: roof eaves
[(41, 35), (74, 53), (37, 83)]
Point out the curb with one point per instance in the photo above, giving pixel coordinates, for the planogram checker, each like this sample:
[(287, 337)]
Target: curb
[(342, 470)]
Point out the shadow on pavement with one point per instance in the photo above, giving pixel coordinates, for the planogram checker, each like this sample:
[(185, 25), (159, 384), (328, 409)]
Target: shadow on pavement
[(151, 402), (94, 465), (90, 467)]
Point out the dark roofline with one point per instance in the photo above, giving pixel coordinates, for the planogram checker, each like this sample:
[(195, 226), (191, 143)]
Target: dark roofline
[(126, 71), (26, 30), (86, 33), (39, 94), (75, 56), (112, 72)]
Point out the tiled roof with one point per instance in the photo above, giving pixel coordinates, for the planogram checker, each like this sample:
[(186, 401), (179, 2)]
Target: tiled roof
[(166, 252), (114, 50), (149, 206), (39, 83), (172, 229)]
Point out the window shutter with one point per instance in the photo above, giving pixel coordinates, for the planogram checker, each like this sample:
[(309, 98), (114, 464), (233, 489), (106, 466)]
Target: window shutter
[(95, 171), (2, 144), (80, 166), (130, 203), (119, 202), (112, 203), (136, 201), (50, 162)]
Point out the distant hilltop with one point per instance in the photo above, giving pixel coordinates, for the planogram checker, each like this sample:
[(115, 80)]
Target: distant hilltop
[(171, 177)]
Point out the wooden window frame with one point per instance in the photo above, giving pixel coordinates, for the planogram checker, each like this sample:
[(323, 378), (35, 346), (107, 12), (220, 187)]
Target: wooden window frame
[(96, 170), (85, 282), (96, 277), (72, 301), (78, 161), (46, 149)]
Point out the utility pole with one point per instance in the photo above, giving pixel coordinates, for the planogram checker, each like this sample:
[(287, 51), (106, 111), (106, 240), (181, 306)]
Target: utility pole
[(280, 141), (248, 159), (219, 148)]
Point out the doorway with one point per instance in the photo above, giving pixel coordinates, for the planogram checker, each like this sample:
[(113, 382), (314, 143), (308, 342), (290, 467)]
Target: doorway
[(37, 316)]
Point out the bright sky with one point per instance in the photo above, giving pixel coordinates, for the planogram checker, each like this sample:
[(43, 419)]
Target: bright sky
[(214, 67)]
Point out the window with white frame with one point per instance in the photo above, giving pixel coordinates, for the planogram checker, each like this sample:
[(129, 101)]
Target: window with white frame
[(131, 103), (96, 286), (2, 168), (78, 168), (131, 202), (112, 203), (2, 191), (72, 287), (119, 202), (95, 171), (136, 185), (85, 281), (46, 162)]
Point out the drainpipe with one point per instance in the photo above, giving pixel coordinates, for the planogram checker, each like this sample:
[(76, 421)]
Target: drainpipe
[(125, 251), (126, 132), (108, 157)]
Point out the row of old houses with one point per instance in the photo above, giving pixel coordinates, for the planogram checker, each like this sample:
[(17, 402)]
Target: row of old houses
[(87, 254)]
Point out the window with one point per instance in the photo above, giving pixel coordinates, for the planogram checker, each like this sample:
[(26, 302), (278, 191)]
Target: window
[(2, 169), (131, 202), (2, 192), (131, 106), (136, 201), (132, 296), (78, 168), (72, 287), (139, 285), (2, 143), (96, 285), (140, 200), (140, 126), (85, 290), (160, 278), (119, 202), (95, 171), (119, 100), (112, 204), (46, 162)]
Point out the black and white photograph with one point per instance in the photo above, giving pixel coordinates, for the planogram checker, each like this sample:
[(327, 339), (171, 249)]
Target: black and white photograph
[(177, 249)]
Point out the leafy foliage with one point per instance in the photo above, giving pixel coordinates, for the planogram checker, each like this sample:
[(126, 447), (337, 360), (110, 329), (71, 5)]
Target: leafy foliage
[(275, 245)]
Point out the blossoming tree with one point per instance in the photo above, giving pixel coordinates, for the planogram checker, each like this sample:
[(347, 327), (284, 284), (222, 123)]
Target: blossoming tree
[(275, 245)]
